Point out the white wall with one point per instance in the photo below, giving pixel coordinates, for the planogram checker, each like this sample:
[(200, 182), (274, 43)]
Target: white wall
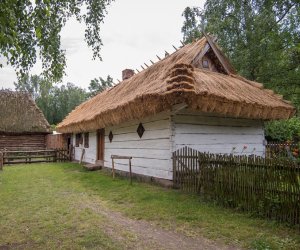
[(151, 153), (165, 133), (90, 152), (214, 134)]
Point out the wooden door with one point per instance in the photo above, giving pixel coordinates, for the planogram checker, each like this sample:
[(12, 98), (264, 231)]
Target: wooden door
[(100, 144)]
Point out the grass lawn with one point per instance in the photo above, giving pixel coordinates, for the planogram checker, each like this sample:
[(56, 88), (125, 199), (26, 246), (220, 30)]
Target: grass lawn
[(42, 206)]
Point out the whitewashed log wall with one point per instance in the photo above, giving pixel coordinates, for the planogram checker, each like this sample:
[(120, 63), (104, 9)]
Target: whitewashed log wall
[(165, 133), (214, 134), (90, 152), (151, 153)]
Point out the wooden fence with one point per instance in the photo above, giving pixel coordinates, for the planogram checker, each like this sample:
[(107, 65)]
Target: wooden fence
[(17, 157), (282, 149), (265, 187)]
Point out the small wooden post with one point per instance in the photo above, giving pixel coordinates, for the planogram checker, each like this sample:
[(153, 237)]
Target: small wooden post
[(113, 167), (1, 161), (130, 171), (124, 158), (82, 154)]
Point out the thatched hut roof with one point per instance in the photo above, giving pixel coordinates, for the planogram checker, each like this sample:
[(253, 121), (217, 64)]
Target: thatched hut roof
[(178, 79), (19, 114)]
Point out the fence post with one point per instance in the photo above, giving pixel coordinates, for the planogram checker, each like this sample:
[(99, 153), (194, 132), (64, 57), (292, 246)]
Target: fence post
[(1, 161), (55, 155)]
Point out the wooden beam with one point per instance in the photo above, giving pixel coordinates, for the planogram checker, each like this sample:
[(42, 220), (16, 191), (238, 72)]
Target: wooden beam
[(146, 65), (199, 56), (174, 47), (137, 70), (151, 61), (158, 57), (142, 67), (121, 157), (228, 68)]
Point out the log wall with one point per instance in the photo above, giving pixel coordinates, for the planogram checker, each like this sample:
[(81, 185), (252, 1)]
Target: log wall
[(57, 141), (22, 142)]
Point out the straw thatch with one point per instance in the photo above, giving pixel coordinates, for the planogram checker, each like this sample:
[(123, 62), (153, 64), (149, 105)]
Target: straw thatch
[(19, 114), (177, 79)]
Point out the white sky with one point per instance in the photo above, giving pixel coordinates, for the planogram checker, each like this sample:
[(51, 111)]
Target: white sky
[(134, 32)]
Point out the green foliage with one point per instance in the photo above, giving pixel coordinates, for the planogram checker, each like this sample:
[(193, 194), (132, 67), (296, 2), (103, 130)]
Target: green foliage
[(191, 28), (283, 130), (98, 85), (61, 101), (29, 29), (262, 39), (55, 102)]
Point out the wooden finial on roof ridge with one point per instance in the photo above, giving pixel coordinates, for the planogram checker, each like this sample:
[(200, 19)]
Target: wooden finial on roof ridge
[(151, 61), (174, 47), (158, 57), (142, 67), (146, 65), (137, 70), (166, 53)]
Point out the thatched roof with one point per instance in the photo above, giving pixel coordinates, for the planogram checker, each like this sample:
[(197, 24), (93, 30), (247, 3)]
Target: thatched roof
[(19, 114), (179, 79)]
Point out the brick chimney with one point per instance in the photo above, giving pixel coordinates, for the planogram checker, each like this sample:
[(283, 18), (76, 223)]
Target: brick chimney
[(127, 73)]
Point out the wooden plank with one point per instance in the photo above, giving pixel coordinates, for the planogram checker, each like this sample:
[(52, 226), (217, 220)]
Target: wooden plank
[(219, 129), (121, 157), (222, 121), (148, 135), (204, 139), (149, 126)]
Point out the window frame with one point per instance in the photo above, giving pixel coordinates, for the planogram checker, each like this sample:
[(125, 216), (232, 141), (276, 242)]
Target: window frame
[(86, 140)]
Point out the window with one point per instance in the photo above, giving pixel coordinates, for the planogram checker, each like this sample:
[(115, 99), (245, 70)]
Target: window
[(86, 140), (78, 140), (205, 64)]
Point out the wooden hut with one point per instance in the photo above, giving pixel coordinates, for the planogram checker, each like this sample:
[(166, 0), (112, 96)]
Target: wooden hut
[(22, 124), (192, 97)]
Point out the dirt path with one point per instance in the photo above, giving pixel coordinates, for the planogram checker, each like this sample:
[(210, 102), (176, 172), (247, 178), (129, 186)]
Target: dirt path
[(138, 234)]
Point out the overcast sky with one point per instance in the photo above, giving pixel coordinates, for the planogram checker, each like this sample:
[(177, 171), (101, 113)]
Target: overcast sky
[(134, 32)]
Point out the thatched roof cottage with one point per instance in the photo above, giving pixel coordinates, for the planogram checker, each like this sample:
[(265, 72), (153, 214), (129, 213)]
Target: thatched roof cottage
[(192, 97), (22, 124)]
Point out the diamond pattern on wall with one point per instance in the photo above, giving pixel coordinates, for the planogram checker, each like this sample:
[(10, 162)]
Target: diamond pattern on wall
[(140, 130), (110, 136)]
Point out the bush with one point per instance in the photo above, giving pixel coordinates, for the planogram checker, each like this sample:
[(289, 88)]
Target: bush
[(283, 130)]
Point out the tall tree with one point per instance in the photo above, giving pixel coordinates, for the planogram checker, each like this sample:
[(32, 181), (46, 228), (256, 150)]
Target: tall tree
[(262, 39), (31, 28), (63, 100), (98, 85), (193, 24), (55, 102)]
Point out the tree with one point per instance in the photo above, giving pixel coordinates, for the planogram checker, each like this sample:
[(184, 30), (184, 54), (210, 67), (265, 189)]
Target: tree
[(31, 28), (98, 85), (55, 102), (63, 100), (193, 24), (262, 39), (35, 85)]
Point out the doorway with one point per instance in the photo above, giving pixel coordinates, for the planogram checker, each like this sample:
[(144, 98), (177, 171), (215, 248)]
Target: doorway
[(100, 144)]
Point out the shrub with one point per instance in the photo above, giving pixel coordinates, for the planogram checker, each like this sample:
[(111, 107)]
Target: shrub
[(283, 130)]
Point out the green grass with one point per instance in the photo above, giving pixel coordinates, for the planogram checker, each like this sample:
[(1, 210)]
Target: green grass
[(40, 207)]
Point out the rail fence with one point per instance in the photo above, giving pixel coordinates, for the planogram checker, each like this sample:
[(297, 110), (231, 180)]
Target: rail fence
[(36, 156), (262, 186)]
